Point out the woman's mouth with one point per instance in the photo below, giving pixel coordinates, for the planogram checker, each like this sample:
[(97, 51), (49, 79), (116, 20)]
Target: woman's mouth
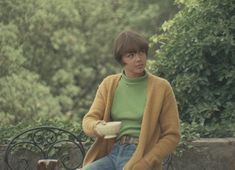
[(140, 66)]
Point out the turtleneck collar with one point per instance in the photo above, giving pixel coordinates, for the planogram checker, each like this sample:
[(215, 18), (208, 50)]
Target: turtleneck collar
[(134, 80)]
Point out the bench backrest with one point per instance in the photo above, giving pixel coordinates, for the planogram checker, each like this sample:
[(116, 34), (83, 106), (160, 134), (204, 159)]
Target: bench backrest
[(25, 149)]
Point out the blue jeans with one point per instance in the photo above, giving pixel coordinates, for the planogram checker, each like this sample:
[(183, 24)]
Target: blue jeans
[(116, 160)]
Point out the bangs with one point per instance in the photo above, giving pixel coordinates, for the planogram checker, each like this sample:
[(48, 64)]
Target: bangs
[(133, 45)]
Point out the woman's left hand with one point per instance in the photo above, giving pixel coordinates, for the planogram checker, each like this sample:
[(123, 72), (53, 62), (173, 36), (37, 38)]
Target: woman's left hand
[(141, 165)]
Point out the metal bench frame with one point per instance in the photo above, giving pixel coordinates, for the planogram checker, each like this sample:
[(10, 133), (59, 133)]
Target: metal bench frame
[(44, 140)]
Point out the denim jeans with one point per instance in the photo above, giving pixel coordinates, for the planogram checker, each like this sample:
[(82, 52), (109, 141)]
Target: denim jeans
[(115, 160)]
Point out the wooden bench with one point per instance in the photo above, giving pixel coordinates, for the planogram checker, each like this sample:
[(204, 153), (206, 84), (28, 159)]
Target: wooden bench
[(50, 148)]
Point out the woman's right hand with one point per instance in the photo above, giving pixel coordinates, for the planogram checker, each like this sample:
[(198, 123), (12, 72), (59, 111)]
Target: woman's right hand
[(98, 128)]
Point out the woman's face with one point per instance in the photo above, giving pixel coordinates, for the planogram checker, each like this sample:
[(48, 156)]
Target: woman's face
[(134, 63)]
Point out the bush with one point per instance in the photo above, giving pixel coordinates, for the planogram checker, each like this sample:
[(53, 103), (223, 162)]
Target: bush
[(197, 55), (8, 131), (24, 98)]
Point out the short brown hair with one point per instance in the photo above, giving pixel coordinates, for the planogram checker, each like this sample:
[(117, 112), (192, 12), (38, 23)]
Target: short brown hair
[(129, 41)]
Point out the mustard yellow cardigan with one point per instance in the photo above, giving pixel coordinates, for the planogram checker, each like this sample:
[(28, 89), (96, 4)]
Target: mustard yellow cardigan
[(160, 131)]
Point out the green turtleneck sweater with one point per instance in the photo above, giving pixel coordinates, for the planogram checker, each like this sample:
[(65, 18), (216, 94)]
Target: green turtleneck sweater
[(128, 104)]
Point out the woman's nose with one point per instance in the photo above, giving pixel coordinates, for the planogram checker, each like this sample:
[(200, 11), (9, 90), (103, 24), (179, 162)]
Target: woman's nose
[(138, 56)]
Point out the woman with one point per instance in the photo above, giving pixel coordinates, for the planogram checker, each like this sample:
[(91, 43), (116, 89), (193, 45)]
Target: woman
[(146, 106)]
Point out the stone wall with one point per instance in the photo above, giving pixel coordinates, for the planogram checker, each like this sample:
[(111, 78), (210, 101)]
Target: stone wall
[(206, 154)]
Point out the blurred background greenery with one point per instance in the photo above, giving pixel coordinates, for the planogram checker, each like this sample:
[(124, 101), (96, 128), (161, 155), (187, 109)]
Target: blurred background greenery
[(53, 55)]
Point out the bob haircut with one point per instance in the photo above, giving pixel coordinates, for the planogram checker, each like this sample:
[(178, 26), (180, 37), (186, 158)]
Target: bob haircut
[(129, 42)]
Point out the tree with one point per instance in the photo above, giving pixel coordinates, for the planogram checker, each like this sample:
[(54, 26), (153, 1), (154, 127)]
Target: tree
[(66, 46), (22, 96)]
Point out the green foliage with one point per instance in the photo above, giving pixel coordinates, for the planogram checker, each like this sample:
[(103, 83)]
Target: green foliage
[(53, 54), (189, 132), (8, 131), (11, 53), (23, 97), (68, 43), (197, 55)]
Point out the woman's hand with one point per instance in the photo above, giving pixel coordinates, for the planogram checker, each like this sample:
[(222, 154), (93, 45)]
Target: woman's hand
[(141, 165), (98, 128)]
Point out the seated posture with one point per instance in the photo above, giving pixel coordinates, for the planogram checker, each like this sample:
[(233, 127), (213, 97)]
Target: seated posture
[(144, 104)]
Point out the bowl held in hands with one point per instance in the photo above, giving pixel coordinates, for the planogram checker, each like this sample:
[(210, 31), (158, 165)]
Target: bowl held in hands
[(111, 129)]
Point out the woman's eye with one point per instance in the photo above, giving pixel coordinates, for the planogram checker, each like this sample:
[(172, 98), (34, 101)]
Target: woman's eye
[(141, 53), (131, 55)]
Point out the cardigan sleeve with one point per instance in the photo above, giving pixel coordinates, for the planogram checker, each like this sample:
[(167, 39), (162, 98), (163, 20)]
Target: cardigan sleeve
[(95, 113), (170, 129)]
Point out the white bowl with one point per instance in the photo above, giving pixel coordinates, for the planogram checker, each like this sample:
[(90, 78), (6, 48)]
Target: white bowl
[(111, 129)]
